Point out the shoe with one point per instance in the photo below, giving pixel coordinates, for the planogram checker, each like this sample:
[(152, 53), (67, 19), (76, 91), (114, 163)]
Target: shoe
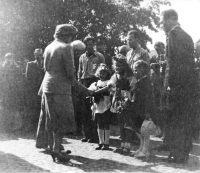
[(118, 150), (105, 147), (66, 152), (58, 157), (99, 147), (126, 151), (61, 148), (142, 155), (84, 140), (90, 141), (134, 153)]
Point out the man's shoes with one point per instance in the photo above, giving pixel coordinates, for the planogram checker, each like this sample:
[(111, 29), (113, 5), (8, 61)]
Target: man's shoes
[(99, 147), (84, 140)]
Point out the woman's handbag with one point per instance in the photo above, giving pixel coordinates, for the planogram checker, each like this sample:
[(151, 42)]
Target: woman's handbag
[(148, 128)]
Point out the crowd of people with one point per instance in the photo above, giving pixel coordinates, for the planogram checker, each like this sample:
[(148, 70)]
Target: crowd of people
[(75, 86)]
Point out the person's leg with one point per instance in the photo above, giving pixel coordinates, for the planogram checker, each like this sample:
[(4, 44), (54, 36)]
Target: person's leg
[(128, 138), (145, 148), (123, 139), (57, 142), (100, 130), (86, 119), (107, 137), (141, 144)]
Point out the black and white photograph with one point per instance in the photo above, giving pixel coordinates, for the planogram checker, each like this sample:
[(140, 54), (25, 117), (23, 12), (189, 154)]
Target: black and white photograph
[(99, 86)]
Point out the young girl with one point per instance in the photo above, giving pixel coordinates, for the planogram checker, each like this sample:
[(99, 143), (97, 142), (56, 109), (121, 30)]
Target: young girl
[(119, 87), (101, 107)]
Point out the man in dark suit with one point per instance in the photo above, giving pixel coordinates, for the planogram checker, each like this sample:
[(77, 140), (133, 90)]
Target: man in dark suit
[(34, 74), (181, 88)]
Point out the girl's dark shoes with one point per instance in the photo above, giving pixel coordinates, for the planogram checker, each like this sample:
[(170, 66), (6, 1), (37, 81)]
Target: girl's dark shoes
[(105, 147), (99, 147), (84, 140), (58, 157)]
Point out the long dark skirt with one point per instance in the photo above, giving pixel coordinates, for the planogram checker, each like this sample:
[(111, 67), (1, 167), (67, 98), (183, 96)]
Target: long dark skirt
[(57, 115)]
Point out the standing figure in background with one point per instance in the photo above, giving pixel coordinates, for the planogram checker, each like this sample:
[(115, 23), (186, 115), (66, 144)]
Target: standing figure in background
[(11, 102), (34, 74), (181, 88), (135, 53), (88, 64), (101, 47), (79, 49), (158, 55), (123, 49)]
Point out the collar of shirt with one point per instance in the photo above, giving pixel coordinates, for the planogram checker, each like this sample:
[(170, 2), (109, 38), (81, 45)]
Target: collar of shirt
[(92, 55), (173, 28)]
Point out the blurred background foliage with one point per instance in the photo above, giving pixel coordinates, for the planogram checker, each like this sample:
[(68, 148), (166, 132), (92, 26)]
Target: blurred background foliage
[(29, 24)]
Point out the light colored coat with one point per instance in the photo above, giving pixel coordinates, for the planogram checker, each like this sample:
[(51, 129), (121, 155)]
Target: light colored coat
[(59, 68)]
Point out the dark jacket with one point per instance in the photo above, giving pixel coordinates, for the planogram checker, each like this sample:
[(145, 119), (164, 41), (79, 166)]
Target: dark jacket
[(180, 58), (34, 73)]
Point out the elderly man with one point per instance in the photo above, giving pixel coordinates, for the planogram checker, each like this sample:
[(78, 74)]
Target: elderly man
[(180, 86), (79, 49)]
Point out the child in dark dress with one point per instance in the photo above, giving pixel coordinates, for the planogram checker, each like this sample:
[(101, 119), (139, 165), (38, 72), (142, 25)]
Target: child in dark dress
[(142, 106)]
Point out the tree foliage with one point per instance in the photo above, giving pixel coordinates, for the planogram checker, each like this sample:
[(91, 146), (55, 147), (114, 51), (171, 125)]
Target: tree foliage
[(29, 24)]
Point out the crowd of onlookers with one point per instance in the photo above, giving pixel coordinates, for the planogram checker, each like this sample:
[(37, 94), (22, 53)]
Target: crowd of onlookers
[(125, 90), (20, 82)]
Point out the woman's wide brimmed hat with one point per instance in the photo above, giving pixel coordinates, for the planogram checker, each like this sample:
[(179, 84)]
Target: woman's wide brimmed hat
[(65, 30)]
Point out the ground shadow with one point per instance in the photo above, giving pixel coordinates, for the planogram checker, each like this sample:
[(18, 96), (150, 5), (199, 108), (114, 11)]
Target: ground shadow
[(105, 165), (11, 163)]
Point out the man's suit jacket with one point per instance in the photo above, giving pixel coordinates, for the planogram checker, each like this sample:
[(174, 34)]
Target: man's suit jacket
[(180, 59), (34, 73)]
